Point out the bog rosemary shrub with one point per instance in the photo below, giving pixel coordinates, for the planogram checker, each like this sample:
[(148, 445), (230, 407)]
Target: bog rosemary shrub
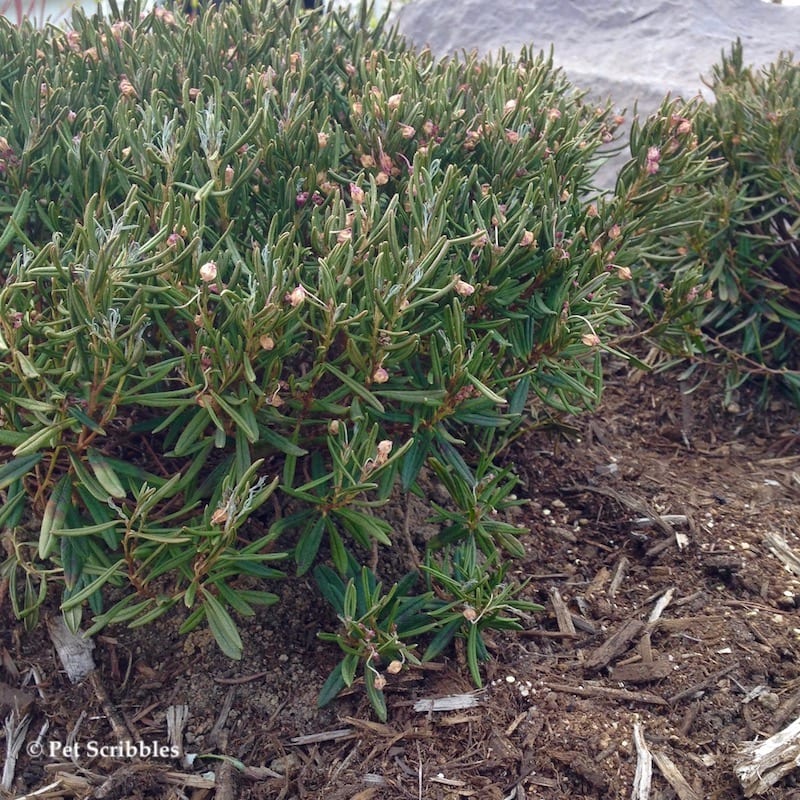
[(736, 276), (258, 269)]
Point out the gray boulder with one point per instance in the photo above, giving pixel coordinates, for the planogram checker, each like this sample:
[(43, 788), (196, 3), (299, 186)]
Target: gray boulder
[(626, 50)]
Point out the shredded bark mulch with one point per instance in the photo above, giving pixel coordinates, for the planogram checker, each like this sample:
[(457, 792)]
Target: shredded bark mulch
[(664, 542)]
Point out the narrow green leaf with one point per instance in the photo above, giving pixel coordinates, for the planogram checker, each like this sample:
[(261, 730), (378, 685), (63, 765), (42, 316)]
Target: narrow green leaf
[(443, 638), (486, 391), (349, 667), (331, 586), (280, 443), (55, 511), (308, 546), (81, 416), (375, 695), (17, 468), (222, 626), (43, 439), (105, 474), (192, 432), (332, 686), (473, 636), (101, 580), (356, 388)]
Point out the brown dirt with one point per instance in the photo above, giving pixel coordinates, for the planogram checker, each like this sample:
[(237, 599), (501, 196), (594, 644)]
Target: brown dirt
[(556, 719)]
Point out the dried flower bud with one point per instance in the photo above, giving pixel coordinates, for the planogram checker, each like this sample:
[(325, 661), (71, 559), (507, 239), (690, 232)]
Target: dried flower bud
[(482, 240), (344, 235), (380, 375), (297, 296), (512, 137), (379, 682), (220, 516), (266, 342), (590, 339), (229, 173), (407, 131), (511, 105), (322, 139), (126, 88), (174, 239), (367, 161), (463, 288), (527, 240), (393, 103), (469, 614), (384, 448), (357, 108), (394, 667), (471, 140), (333, 427), (276, 401), (592, 211), (381, 179), (208, 272), (553, 114), (624, 273)]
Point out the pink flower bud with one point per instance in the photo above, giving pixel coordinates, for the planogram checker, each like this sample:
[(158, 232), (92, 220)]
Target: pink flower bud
[(653, 158), (208, 272), (357, 194), (380, 375), (463, 288)]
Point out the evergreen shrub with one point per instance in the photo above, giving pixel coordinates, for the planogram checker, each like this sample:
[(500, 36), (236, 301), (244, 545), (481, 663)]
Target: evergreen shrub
[(261, 267), (736, 276)]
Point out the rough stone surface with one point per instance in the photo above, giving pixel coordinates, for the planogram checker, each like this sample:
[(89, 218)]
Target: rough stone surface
[(627, 50)]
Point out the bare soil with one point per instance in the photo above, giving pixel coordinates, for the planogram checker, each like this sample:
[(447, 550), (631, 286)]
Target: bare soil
[(685, 629)]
